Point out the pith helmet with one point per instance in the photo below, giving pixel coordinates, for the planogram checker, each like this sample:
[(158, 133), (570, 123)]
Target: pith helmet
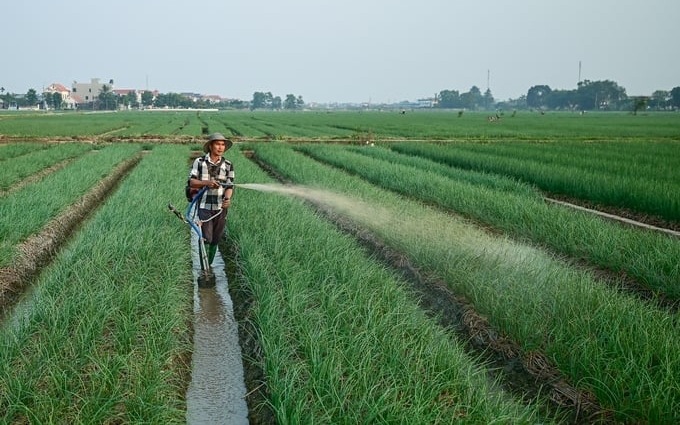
[(217, 136)]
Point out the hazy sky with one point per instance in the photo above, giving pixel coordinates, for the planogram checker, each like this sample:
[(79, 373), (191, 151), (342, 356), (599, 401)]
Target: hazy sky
[(341, 50)]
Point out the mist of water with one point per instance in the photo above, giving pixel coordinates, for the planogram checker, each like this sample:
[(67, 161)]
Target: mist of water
[(338, 202)]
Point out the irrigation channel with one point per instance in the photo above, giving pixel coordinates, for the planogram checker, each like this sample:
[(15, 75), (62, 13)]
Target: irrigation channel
[(216, 394)]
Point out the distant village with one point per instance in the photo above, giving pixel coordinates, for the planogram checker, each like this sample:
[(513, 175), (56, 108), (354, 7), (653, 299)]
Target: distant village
[(97, 95), (94, 95)]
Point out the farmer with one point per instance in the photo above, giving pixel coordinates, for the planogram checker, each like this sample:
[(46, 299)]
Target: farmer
[(209, 171)]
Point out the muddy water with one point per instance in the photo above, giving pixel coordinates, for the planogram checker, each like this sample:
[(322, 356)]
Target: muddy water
[(217, 391)]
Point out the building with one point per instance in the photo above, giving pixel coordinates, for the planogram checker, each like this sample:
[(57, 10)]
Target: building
[(67, 101), (88, 92), (121, 93)]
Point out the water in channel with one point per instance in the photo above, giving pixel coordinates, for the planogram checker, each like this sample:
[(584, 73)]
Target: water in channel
[(217, 391)]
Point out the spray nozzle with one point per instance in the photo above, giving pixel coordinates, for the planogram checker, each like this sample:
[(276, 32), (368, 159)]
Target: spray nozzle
[(177, 213)]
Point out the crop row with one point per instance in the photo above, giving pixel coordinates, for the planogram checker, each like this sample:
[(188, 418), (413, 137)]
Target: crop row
[(646, 256), (34, 158), (342, 337), (102, 337), (413, 125), (613, 344), (637, 176), (26, 211)]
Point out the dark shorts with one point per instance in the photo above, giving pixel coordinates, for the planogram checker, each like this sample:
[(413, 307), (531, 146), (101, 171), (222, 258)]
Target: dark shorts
[(212, 230)]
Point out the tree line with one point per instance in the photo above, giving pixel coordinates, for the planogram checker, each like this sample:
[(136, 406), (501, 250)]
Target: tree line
[(588, 95), (109, 100)]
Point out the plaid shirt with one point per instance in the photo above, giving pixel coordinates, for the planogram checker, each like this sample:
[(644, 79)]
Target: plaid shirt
[(204, 169)]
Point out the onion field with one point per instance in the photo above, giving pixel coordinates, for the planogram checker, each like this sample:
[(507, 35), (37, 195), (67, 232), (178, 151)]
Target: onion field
[(420, 268)]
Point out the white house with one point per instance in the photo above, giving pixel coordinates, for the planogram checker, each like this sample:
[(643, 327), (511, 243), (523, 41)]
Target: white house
[(67, 101)]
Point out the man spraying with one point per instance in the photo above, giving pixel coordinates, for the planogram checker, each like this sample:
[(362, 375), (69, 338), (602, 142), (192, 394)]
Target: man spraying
[(217, 174)]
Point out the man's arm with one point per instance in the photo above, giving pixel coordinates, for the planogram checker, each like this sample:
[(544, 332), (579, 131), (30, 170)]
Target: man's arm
[(197, 184)]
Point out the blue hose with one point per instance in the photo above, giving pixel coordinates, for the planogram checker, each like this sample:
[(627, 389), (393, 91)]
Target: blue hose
[(190, 207)]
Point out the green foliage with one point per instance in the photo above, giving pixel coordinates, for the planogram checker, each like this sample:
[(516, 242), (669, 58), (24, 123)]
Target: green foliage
[(26, 211), (540, 301), (33, 158), (104, 335), (341, 336), (639, 176), (344, 340), (419, 125)]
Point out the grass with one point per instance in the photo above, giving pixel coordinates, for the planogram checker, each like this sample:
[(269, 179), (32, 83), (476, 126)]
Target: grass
[(639, 176), (360, 125), (26, 211), (539, 301), (102, 337), (517, 210), (343, 340), (39, 157)]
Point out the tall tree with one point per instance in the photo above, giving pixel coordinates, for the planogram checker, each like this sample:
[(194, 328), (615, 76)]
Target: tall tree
[(471, 99), (31, 97), (675, 97), (561, 100), (107, 99), (660, 99), (172, 100), (57, 100), (276, 102), (290, 102), (48, 99), (147, 98), (639, 103), (449, 99), (259, 100), (601, 94), (537, 96), (130, 99), (263, 100), (487, 99)]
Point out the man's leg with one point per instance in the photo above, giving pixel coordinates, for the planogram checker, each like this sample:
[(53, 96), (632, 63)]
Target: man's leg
[(212, 250), (212, 233)]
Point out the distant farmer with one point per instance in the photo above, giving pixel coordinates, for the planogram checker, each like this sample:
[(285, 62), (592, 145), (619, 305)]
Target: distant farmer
[(209, 171)]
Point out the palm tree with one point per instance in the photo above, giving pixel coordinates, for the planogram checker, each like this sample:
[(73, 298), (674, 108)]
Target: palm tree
[(107, 97)]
